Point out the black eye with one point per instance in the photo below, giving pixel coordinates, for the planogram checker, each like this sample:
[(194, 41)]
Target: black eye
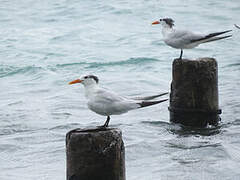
[(85, 77), (160, 19)]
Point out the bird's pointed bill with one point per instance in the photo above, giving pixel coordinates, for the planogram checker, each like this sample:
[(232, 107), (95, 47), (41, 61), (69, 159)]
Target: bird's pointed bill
[(75, 81), (155, 22)]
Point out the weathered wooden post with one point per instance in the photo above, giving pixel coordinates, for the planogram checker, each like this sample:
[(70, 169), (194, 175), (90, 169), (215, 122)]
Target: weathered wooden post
[(95, 154), (194, 92)]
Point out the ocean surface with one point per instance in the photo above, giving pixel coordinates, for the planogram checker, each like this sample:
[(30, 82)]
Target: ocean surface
[(44, 44)]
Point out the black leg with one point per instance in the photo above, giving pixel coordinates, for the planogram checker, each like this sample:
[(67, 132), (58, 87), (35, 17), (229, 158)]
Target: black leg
[(181, 54), (107, 122)]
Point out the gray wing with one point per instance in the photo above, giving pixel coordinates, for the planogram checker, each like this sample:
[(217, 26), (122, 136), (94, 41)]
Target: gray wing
[(106, 96), (179, 38), (108, 102)]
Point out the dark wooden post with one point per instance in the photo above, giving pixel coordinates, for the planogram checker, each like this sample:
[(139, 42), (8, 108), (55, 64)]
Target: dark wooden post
[(95, 154), (194, 92)]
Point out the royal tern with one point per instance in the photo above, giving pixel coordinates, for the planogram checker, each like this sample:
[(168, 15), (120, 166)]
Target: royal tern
[(107, 103), (183, 39)]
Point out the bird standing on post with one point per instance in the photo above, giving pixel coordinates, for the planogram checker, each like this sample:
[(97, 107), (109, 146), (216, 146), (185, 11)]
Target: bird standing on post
[(183, 39), (107, 103)]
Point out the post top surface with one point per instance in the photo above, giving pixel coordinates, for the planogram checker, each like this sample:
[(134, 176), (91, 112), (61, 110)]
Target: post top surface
[(93, 131), (205, 59)]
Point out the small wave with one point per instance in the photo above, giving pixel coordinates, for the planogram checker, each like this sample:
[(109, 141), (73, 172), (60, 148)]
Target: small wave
[(66, 126), (192, 131), (181, 130), (158, 123), (12, 70), (194, 145), (232, 65), (235, 122), (13, 129), (131, 61)]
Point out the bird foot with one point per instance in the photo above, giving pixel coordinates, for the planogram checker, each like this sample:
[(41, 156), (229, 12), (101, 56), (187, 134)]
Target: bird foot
[(102, 127)]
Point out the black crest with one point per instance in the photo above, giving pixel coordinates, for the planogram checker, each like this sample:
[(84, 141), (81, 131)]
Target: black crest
[(168, 21), (93, 77)]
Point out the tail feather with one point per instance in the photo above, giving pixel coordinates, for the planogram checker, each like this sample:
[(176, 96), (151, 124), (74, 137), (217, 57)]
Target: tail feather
[(216, 38), (237, 26), (150, 103), (217, 33), (150, 97), (210, 36)]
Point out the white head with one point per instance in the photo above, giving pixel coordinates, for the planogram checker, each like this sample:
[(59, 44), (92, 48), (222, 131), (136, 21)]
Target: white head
[(165, 22), (89, 80)]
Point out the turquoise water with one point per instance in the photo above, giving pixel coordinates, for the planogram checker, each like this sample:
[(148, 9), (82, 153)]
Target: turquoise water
[(45, 44)]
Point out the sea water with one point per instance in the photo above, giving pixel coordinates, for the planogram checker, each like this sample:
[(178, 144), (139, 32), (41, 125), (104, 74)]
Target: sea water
[(45, 44)]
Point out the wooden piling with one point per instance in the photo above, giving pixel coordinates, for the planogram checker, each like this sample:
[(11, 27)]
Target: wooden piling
[(95, 154), (194, 92)]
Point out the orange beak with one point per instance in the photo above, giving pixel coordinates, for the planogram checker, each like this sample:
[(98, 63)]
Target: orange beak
[(155, 22), (75, 81)]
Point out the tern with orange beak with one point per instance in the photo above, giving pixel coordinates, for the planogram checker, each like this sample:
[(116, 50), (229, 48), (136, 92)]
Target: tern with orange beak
[(107, 103), (183, 39)]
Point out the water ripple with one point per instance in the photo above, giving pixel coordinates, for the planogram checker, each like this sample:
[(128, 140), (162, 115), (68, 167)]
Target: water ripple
[(13, 129), (131, 61), (13, 70)]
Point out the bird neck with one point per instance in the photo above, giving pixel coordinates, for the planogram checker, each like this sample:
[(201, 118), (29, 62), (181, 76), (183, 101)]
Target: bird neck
[(89, 89), (167, 30)]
